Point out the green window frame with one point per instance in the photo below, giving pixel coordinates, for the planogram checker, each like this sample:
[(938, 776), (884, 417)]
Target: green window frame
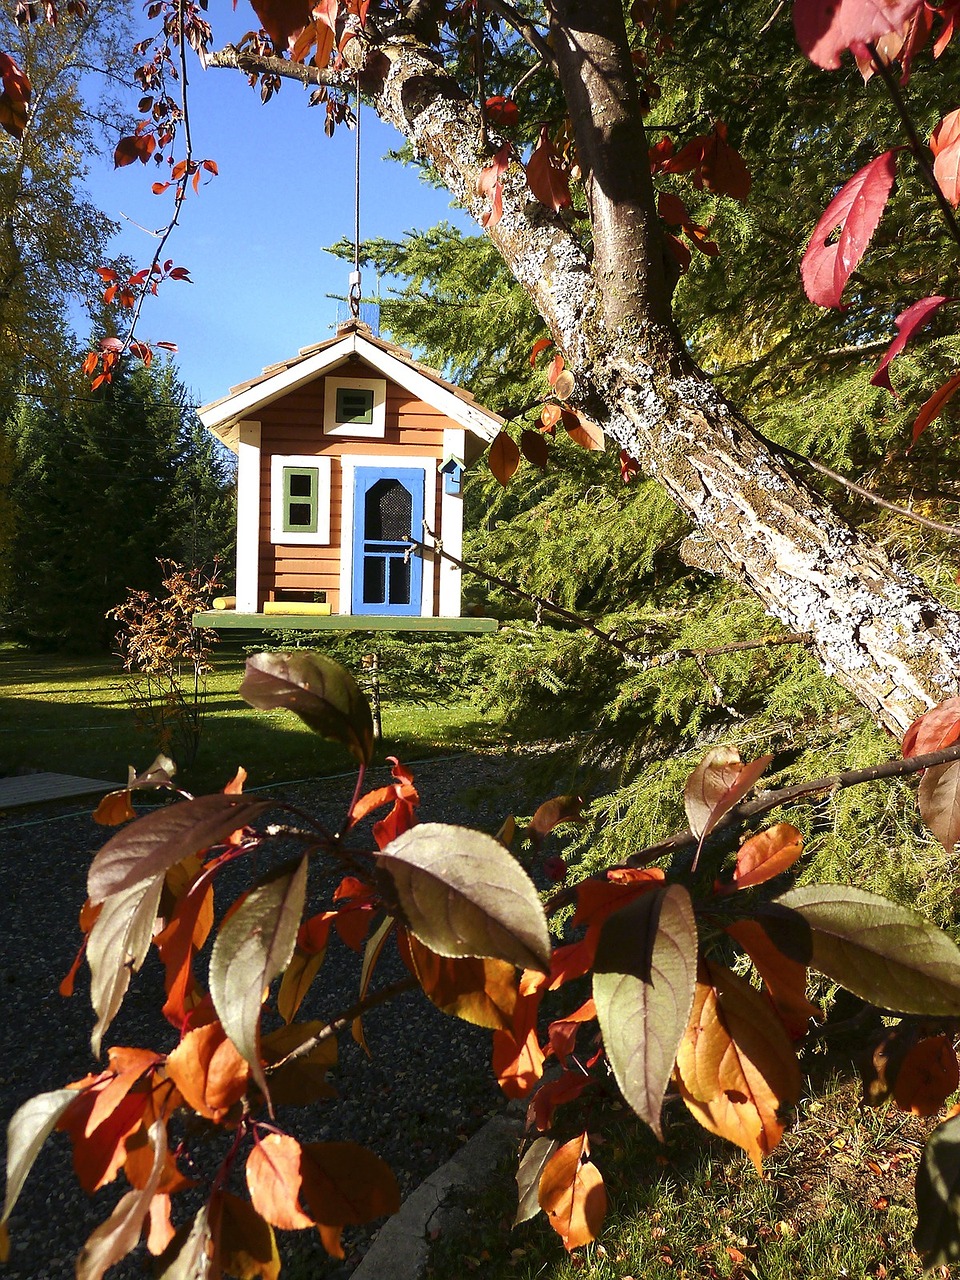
[(301, 499), (354, 406)]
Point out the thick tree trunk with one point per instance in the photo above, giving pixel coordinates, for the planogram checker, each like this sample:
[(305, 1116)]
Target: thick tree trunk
[(874, 625)]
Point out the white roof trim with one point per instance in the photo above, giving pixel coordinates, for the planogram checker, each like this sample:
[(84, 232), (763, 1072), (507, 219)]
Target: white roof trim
[(220, 416)]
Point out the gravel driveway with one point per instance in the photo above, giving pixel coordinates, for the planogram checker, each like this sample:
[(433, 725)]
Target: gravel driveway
[(426, 1089)]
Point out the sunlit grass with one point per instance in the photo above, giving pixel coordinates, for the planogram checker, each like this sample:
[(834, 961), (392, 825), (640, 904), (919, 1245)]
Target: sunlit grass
[(69, 715)]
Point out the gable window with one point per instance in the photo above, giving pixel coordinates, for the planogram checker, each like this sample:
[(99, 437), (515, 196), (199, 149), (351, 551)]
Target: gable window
[(354, 407), (299, 499)]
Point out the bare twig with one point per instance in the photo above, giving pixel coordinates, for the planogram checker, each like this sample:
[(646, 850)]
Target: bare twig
[(626, 647), (235, 59), (346, 1018), (525, 29), (951, 529)]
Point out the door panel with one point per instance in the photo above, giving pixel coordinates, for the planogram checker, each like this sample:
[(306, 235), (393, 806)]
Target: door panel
[(387, 508)]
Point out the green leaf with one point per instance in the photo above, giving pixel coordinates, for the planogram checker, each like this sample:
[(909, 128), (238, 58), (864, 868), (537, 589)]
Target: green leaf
[(149, 847), (463, 894), (937, 1237), (252, 947), (882, 952), (643, 983), (28, 1130), (321, 692), (529, 1173), (117, 946)]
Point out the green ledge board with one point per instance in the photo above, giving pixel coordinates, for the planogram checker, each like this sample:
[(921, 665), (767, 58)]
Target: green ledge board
[(227, 620)]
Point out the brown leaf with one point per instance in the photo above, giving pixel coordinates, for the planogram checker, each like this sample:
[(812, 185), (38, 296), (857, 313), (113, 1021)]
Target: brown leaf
[(244, 1244), (114, 1239), (933, 407), (552, 813), (546, 175), (504, 457), (344, 1184), (939, 801), (716, 785), (935, 730), (928, 1075), (534, 448)]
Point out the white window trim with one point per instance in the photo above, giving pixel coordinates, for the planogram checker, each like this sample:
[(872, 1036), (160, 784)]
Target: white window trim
[(278, 463), (374, 430), (348, 463), (451, 530)]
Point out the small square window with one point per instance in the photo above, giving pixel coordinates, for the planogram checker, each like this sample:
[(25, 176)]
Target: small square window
[(355, 405), (300, 492)]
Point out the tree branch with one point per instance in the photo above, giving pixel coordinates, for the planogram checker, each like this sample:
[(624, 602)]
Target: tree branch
[(345, 1019), (525, 29), (235, 59)]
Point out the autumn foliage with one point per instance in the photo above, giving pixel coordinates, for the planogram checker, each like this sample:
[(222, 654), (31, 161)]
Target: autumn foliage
[(671, 1010)]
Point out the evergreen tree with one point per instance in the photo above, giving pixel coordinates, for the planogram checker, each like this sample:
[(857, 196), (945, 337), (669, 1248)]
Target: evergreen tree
[(105, 483)]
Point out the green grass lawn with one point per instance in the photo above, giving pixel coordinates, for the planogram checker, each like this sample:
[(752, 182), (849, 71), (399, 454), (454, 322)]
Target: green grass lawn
[(71, 715)]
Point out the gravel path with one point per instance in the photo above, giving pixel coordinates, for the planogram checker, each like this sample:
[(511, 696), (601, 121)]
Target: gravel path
[(426, 1089)]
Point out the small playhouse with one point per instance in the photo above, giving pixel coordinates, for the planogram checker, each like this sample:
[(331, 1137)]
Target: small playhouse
[(344, 454)]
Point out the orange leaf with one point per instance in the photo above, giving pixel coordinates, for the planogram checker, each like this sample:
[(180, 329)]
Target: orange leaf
[(161, 1230), (115, 808), (517, 1056), (927, 1077), (736, 1067), (186, 932), (572, 1194), (97, 1156), (785, 980), (296, 980), (129, 1065), (587, 434), (541, 344), (945, 145), (483, 992), (935, 730), (209, 1071), (767, 854), (274, 1179), (933, 407), (550, 415)]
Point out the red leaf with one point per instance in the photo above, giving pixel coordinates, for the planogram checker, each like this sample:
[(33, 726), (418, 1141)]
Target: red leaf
[(502, 111), (767, 854), (928, 1075), (933, 407), (629, 467), (945, 145), (546, 175), (550, 1096), (935, 730), (283, 20), (826, 29), (908, 323), (722, 169), (489, 184), (106, 274), (855, 209)]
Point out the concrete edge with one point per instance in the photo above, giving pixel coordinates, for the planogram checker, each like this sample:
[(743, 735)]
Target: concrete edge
[(401, 1248)]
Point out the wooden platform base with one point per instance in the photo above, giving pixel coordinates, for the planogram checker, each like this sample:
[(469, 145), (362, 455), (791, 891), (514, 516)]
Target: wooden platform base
[(39, 788), (227, 620)]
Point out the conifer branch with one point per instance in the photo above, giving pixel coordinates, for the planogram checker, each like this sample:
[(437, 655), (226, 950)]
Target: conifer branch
[(627, 647), (763, 803)]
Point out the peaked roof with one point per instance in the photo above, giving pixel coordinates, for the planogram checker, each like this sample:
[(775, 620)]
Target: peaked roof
[(352, 339)]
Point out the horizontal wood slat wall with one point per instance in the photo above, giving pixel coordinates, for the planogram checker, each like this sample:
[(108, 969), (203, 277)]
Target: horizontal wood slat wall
[(294, 425)]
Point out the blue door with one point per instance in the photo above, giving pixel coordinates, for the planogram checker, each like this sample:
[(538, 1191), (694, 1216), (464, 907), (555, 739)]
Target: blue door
[(387, 509)]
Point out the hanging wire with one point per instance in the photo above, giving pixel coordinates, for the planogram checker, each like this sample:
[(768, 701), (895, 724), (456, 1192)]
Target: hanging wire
[(354, 293)]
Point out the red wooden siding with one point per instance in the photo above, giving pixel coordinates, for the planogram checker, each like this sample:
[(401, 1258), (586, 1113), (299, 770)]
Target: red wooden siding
[(294, 425)]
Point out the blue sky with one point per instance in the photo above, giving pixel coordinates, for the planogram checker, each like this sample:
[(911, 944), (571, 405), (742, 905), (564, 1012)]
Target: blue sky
[(253, 238)]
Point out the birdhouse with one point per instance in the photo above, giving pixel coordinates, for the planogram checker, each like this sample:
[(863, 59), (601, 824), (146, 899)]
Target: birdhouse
[(348, 456)]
